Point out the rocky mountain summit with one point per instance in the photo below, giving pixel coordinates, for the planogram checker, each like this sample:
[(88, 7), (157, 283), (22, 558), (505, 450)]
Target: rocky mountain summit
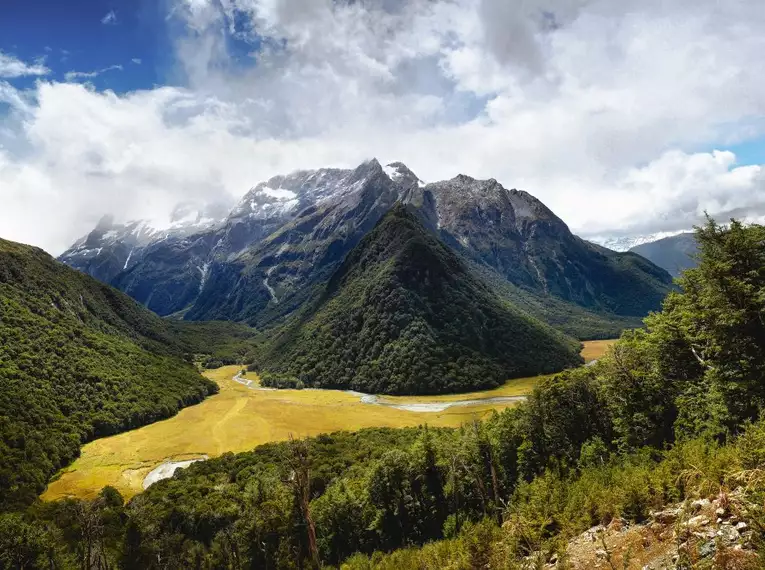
[(287, 236), (520, 239), (112, 248), (274, 275)]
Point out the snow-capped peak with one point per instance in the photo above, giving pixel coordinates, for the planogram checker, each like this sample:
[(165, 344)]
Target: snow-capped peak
[(279, 193), (286, 195), (400, 173), (625, 243), (186, 219)]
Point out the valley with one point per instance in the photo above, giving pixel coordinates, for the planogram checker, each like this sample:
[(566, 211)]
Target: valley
[(382, 285), (239, 418)]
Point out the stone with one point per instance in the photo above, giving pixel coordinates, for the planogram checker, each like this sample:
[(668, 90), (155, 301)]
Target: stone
[(707, 549), (700, 504), (741, 526), (617, 524), (667, 516), (728, 534), (720, 512), (594, 532), (697, 521), (705, 534)]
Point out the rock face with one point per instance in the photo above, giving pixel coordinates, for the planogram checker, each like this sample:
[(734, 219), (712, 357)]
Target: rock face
[(288, 235), (403, 314), (517, 236), (112, 249), (675, 254), (276, 274), (170, 273)]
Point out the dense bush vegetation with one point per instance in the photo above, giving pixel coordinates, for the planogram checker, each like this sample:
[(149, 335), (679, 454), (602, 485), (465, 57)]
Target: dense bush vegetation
[(669, 413), (281, 381), (78, 360), (560, 504), (377, 491), (403, 315), (216, 341)]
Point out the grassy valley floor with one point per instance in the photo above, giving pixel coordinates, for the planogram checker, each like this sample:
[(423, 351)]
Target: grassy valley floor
[(240, 418)]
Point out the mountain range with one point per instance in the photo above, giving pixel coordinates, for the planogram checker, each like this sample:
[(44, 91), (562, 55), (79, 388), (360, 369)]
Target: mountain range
[(630, 242), (277, 248), (111, 248)]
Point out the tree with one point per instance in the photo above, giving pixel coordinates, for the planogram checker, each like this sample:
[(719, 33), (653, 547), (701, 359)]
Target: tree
[(719, 321), (300, 481), (24, 545)]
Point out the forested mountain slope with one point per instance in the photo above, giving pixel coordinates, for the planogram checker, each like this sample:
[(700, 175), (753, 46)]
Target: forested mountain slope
[(78, 360), (403, 314)]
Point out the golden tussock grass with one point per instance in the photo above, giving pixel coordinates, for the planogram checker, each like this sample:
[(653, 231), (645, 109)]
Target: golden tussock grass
[(594, 349), (239, 419)]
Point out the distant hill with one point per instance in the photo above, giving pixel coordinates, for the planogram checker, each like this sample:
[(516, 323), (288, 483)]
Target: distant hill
[(78, 360), (404, 315), (674, 254)]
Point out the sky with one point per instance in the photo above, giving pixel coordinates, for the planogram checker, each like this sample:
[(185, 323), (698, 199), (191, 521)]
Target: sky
[(625, 117)]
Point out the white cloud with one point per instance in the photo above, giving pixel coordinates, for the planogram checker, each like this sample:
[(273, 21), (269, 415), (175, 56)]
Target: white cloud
[(109, 18), (136, 60), (674, 192), (12, 67), (74, 75), (598, 108)]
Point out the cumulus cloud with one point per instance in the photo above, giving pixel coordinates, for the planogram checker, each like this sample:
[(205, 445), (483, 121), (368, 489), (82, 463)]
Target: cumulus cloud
[(12, 67), (110, 18), (75, 75), (676, 191), (597, 108)]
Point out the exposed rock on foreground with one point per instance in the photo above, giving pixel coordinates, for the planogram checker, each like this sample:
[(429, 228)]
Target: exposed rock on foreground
[(705, 533)]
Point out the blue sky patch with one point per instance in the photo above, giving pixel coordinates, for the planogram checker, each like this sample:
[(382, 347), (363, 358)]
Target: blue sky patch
[(87, 36), (749, 152)]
